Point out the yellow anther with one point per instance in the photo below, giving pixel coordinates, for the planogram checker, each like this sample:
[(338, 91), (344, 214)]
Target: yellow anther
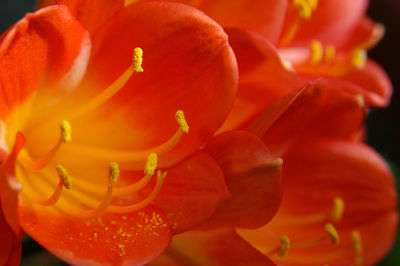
[(285, 245), (313, 4), (338, 208), (317, 51), (137, 59), (330, 52), (333, 234), (357, 242), (66, 131), (304, 8), (359, 58), (180, 119), (64, 176), (151, 164), (114, 172)]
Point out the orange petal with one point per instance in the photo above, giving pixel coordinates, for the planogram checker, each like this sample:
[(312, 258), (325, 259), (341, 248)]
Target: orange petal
[(192, 191), (373, 82), (93, 14), (316, 173), (10, 247), (220, 247), (253, 177), (263, 16), (46, 41), (318, 110), (114, 239), (188, 65), (331, 18), (264, 77)]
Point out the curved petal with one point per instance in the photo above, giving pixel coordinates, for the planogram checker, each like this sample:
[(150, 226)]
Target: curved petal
[(114, 239), (331, 18), (373, 82), (192, 192), (264, 76), (316, 173), (93, 14), (319, 110), (253, 177), (262, 16), (10, 247), (45, 44), (188, 65), (220, 247)]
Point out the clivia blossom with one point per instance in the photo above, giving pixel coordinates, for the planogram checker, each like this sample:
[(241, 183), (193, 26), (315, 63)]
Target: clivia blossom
[(305, 87), (102, 117)]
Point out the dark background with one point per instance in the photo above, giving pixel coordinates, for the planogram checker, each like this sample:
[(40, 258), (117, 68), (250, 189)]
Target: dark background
[(383, 126)]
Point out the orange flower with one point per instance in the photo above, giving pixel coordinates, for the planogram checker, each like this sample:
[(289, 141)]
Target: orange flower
[(81, 121), (334, 188)]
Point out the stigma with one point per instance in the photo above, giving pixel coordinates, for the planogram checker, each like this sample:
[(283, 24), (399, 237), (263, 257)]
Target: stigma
[(305, 7)]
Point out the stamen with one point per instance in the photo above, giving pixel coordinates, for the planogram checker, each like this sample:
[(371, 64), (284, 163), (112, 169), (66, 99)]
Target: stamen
[(357, 245), (359, 58), (151, 164), (65, 181), (317, 51), (180, 119), (130, 208), (64, 176), (116, 86), (134, 160), (114, 172), (338, 209), (39, 164), (333, 234), (137, 59), (66, 131), (313, 4), (304, 8), (285, 245), (330, 52)]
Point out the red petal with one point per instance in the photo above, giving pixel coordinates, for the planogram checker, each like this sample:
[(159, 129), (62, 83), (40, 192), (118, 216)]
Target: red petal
[(114, 239), (93, 14), (222, 247), (10, 247), (332, 18), (50, 39), (263, 16), (192, 191), (319, 110), (188, 65), (315, 173), (263, 76), (373, 82), (253, 177)]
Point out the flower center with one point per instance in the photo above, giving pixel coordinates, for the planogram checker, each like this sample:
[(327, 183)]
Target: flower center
[(75, 196)]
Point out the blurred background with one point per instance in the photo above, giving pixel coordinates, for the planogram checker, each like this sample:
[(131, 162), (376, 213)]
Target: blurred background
[(383, 126)]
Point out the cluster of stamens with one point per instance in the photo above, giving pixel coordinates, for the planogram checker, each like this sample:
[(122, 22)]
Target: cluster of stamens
[(331, 234), (95, 197)]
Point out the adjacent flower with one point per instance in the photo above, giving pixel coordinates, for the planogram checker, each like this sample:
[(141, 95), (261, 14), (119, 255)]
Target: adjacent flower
[(88, 104)]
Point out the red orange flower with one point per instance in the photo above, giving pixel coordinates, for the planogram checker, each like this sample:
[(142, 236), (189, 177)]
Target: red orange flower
[(82, 192)]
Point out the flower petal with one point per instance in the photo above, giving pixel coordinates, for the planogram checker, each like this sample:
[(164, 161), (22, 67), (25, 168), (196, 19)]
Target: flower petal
[(10, 247), (93, 14), (220, 247), (253, 177), (44, 44), (258, 87), (316, 173), (188, 65), (325, 112), (192, 191), (332, 18), (263, 16), (114, 239)]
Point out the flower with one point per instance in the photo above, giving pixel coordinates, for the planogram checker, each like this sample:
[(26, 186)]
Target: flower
[(88, 104), (334, 187)]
